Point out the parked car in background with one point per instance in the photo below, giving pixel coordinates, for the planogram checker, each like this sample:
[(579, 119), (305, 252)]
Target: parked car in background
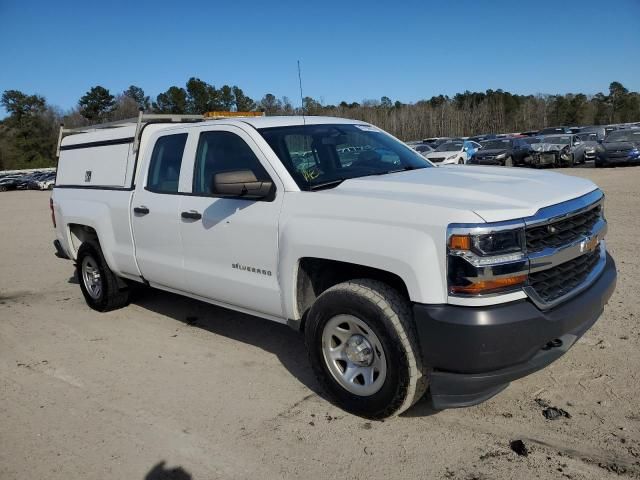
[(620, 147), (43, 181), (482, 138), (554, 130), (455, 152), (435, 142), (598, 130), (590, 142), (422, 148), (557, 151), (8, 183), (502, 151)]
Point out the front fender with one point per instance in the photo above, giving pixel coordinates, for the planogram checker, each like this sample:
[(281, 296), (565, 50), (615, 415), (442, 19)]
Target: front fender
[(409, 253)]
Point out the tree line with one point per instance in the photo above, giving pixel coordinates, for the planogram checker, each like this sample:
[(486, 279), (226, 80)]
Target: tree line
[(29, 133)]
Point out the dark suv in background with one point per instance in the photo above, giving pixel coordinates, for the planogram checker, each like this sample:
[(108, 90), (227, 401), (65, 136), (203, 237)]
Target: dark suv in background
[(620, 147), (502, 151)]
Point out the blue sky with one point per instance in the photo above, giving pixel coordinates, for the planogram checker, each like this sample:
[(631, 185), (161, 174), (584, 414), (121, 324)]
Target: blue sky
[(349, 50)]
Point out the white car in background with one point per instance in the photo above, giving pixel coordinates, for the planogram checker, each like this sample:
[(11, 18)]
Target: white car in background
[(453, 152), (47, 183)]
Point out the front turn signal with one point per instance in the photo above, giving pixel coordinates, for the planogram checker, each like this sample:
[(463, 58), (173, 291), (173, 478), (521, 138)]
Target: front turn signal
[(489, 286)]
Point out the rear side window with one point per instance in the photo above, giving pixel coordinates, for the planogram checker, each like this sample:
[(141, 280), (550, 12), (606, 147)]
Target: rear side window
[(166, 159), (222, 152)]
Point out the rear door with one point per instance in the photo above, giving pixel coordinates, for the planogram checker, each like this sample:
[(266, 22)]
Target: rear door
[(230, 245), (155, 212)]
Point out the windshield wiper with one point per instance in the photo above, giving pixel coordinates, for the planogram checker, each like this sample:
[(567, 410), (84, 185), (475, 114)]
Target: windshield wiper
[(329, 184), (403, 169), (338, 181)]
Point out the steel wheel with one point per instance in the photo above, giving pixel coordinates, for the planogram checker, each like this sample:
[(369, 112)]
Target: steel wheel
[(91, 277), (354, 355)]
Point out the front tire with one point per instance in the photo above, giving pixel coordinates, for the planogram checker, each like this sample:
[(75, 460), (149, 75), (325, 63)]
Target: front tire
[(508, 162), (102, 289), (460, 161), (364, 350)]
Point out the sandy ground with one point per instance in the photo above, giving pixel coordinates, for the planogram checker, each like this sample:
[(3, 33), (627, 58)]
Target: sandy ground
[(173, 388)]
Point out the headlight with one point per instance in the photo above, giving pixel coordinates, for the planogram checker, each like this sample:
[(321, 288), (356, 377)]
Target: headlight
[(451, 157), (501, 156), (491, 261)]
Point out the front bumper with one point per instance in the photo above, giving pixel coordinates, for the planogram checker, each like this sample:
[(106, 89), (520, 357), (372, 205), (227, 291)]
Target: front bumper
[(630, 160), (544, 158), (476, 351), (486, 161)]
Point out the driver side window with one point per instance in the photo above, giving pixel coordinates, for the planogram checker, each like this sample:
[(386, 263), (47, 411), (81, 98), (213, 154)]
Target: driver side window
[(221, 151)]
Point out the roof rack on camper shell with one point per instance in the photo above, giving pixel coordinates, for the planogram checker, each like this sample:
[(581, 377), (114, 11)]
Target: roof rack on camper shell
[(145, 118)]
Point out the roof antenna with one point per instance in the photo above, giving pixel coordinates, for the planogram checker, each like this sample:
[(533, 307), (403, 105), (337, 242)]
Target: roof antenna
[(304, 122)]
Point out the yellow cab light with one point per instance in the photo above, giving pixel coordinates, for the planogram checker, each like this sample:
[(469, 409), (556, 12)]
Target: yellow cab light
[(216, 114)]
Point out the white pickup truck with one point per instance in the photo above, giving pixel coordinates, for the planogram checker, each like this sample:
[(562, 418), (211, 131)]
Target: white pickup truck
[(403, 276)]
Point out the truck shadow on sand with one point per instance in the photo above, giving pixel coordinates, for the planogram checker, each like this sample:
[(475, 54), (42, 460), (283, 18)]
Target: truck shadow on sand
[(276, 338), (286, 344)]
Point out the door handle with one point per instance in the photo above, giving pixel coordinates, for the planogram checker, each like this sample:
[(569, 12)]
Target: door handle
[(191, 215), (141, 210)]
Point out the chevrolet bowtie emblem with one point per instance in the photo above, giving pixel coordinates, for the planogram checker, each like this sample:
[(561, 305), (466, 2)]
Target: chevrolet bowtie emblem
[(589, 244)]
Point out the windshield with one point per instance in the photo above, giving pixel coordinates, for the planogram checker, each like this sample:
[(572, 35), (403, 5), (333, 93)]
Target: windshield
[(623, 136), (319, 155), (449, 147), (495, 144), (588, 137), (558, 139)]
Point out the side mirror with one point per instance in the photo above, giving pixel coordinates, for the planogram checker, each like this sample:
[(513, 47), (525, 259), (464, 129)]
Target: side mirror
[(241, 184)]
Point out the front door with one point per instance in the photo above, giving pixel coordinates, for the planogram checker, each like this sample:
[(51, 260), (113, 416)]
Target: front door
[(230, 245)]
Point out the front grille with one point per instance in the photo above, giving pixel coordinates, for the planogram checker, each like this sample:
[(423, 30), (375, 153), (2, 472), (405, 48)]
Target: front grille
[(436, 159), (619, 153), (562, 232), (558, 281)]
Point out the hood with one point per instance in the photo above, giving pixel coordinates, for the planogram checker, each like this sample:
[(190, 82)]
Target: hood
[(548, 147), (443, 154), (623, 146), (493, 193)]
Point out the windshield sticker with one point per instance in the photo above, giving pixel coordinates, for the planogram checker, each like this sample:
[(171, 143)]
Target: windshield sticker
[(367, 128)]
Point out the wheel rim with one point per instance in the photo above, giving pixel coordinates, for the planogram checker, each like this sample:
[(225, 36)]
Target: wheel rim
[(354, 355), (91, 278)]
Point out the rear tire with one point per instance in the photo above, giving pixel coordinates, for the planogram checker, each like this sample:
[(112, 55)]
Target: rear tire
[(3, 188), (102, 289), (370, 315)]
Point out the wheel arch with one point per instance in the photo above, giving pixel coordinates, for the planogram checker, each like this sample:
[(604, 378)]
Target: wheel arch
[(316, 275)]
